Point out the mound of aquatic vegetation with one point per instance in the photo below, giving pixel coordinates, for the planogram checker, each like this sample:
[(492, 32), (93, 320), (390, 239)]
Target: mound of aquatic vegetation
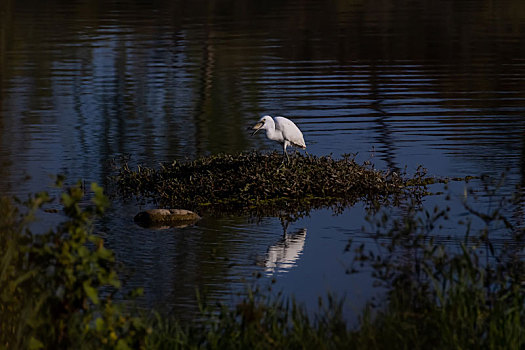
[(261, 183)]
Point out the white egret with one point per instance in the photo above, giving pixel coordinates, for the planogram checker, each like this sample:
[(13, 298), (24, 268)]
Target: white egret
[(282, 130)]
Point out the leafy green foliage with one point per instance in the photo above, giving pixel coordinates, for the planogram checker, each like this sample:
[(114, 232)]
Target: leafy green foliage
[(439, 297), (57, 287)]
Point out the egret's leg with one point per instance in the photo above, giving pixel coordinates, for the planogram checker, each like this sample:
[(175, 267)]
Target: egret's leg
[(285, 153), (284, 157)]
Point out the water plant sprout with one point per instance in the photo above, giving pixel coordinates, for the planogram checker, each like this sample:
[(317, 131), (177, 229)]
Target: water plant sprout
[(282, 130)]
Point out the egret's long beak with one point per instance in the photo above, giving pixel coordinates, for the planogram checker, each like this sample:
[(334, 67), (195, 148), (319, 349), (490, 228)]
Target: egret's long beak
[(257, 127)]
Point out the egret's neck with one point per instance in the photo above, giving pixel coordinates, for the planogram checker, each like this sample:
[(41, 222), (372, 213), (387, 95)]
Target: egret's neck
[(273, 134)]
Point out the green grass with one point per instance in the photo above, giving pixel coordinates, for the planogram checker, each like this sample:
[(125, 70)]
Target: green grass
[(255, 323)]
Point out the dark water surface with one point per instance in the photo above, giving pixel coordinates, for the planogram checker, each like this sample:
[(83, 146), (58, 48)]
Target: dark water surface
[(401, 83)]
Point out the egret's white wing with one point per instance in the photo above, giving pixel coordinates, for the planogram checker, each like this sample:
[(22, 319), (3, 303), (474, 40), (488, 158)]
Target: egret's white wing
[(290, 131)]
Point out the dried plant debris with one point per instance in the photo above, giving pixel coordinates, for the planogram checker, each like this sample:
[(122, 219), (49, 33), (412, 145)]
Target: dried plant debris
[(260, 184)]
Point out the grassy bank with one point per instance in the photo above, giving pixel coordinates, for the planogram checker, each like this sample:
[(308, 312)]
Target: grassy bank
[(57, 292)]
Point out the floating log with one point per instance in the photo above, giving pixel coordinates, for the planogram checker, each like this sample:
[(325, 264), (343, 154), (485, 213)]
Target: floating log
[(166, 218)]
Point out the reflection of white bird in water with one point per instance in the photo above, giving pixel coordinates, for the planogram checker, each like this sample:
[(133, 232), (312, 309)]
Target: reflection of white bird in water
[(283, 255), (282, 130)]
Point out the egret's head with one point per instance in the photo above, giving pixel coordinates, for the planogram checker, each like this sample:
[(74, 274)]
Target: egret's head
[(261, 124)]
